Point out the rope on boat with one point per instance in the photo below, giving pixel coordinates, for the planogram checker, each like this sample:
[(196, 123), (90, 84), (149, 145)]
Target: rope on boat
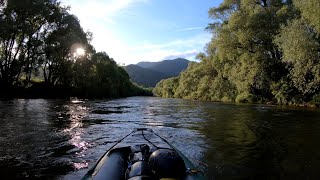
[(93, 168), (149, 140)]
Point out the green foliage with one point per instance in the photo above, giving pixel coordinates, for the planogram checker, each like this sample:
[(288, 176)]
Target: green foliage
[(310, 11), (199, 81), (166, 88), (316, 99), (300, 49), (108, 80), (42, 36), (261, 51)]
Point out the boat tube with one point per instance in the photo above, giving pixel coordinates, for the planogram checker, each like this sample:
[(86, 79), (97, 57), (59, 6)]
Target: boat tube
[(143, 155)]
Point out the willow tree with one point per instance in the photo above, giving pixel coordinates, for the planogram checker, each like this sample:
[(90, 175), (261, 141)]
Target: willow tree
[(246, 53), (37, 34), (310, 11), (261, 50), (22, 28), (300, 45), (60, 48)]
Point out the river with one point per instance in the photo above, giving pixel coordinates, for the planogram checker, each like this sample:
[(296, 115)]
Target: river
[(59, 139)]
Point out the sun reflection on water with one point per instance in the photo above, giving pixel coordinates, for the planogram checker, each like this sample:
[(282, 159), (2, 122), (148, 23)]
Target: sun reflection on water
[(75, 112), (81, 165)]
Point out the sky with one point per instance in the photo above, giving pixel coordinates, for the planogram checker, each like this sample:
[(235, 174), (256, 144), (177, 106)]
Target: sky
[(131, 31)]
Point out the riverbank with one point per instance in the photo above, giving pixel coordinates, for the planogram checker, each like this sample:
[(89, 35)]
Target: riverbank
[(43, 91), (301, 105)]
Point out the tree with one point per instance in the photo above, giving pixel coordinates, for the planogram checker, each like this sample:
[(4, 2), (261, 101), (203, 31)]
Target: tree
[(22, 25), (260, 51), (310, 11), (36, 34), (301, 50), (246, 53), (42, 34), (100, 76)]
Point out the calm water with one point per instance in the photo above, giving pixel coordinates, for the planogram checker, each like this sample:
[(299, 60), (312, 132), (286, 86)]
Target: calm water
[(58, 139)]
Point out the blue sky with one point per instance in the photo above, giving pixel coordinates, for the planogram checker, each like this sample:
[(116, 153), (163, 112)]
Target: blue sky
[(131, 31)]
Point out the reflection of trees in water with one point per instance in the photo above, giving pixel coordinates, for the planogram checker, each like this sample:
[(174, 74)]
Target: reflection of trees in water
[(242, 142), (260, 142), (268, 151)]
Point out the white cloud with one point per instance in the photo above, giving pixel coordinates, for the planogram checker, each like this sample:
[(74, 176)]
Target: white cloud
[(190, 29), (97, 16), (187, 55), (184, 48), (198, 39), (130, 54)]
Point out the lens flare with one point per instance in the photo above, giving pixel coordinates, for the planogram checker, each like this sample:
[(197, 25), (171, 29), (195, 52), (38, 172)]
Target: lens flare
[(80, 52)]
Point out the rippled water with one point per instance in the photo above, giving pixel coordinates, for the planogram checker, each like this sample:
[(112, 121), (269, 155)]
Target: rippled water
[(58, 139)]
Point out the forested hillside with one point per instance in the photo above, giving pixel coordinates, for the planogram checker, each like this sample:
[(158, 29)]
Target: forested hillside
[(260, 51), (44, 52), (143, 76), (171, 67), (148, 74)]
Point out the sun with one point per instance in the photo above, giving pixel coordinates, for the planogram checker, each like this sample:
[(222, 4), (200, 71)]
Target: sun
[(80, 52)]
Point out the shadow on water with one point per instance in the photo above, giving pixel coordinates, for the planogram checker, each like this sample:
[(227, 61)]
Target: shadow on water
[(261, 142), (61, 139)]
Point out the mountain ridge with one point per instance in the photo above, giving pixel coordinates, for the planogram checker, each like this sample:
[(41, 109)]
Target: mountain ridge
[(148, 74), (171, 67)]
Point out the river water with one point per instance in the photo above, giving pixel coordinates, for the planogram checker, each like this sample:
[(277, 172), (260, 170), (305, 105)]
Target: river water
[(59, 139)]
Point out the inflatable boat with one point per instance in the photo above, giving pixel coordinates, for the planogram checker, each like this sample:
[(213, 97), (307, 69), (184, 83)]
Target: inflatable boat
[(143, 155)]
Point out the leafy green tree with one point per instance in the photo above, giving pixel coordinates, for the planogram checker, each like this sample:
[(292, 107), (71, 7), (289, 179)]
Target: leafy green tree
[(22, 26), (166, 88), (301, 50), (310, 11), (100, 76), (260, 51), (42, 35), (37, 34), (246, 54), (60, 48)]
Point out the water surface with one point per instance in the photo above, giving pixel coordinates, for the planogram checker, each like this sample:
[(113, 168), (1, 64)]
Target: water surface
[(58, 139)]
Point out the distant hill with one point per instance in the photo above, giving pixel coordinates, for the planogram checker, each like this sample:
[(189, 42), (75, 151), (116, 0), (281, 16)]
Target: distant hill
[(144, 76), (145, 64), (169, 67), (149, 74)]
